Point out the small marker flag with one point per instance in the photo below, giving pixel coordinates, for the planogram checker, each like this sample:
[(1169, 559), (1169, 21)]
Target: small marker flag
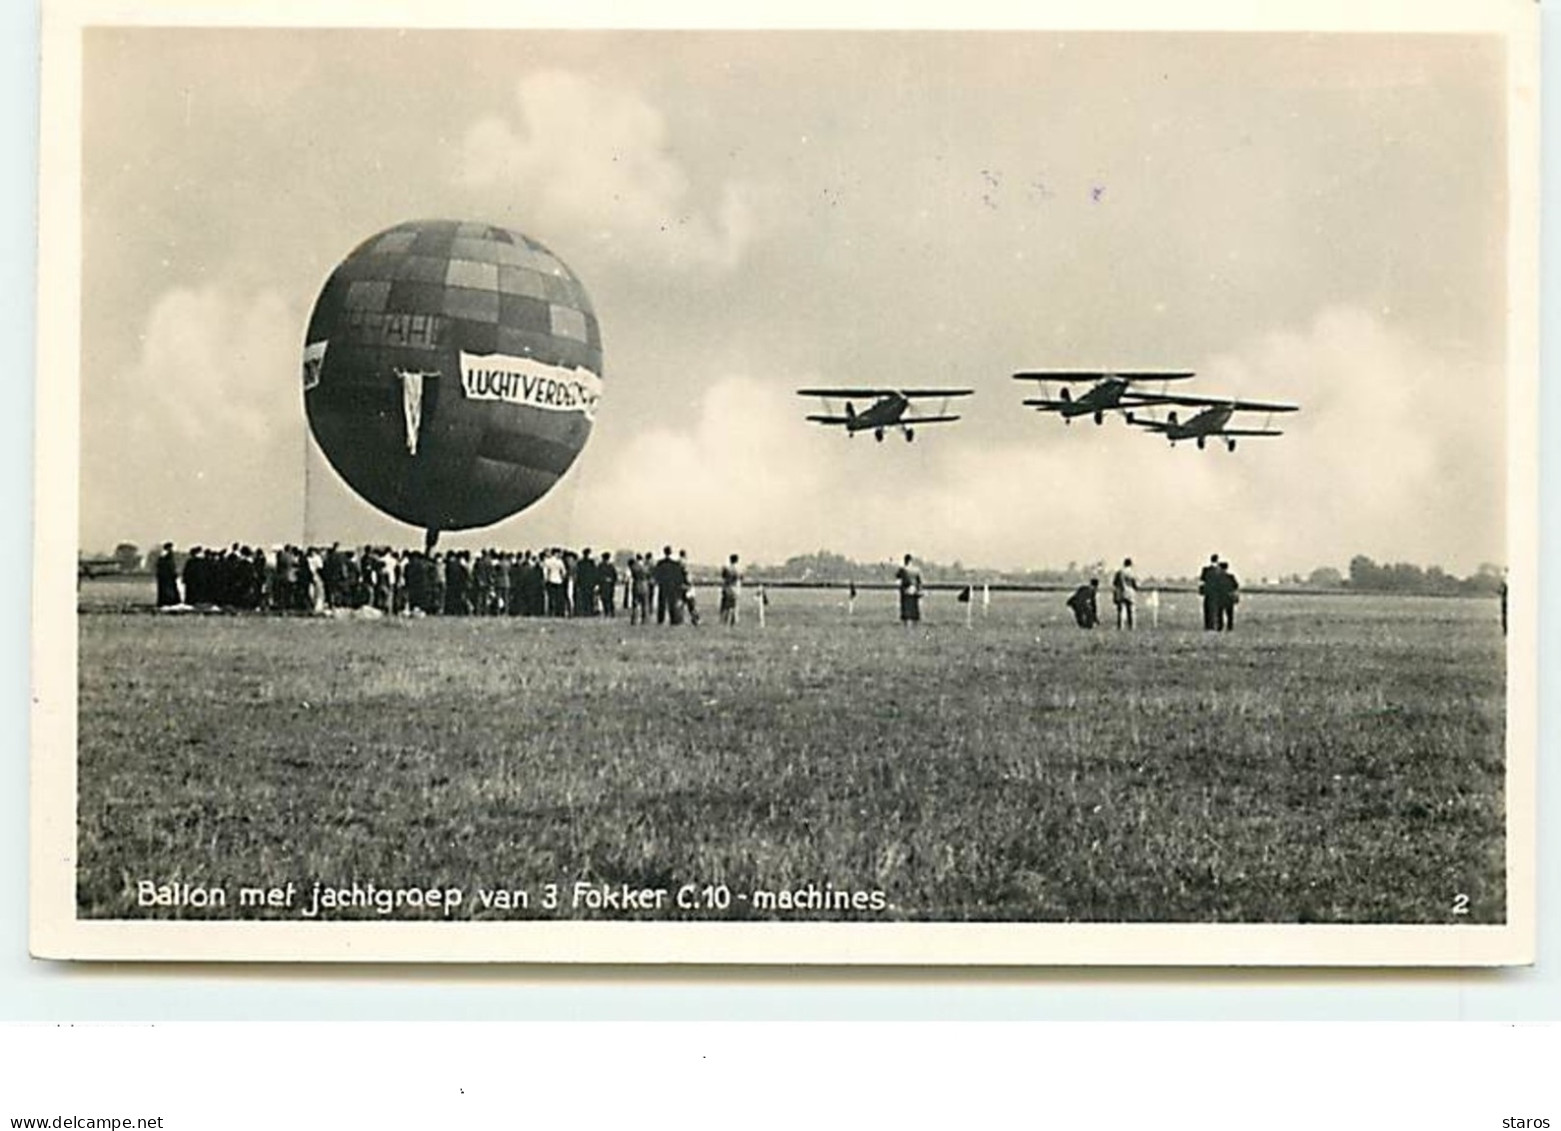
[(964, 595)]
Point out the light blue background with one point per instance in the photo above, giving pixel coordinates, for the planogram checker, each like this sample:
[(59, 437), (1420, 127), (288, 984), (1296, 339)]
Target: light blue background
[(57, 992)]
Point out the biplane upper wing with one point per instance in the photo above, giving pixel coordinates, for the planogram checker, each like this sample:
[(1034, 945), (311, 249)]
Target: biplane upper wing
[(908, 394), (843, 392), (1073, 376)]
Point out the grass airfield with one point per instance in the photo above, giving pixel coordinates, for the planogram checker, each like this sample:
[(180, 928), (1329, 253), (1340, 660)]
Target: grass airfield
[(1336, 759)]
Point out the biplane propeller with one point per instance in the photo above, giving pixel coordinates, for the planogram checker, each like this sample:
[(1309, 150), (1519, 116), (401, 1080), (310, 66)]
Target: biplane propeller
[(888, 409)]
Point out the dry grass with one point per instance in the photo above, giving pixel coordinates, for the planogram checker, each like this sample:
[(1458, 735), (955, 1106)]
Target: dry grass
[(1334, 760)]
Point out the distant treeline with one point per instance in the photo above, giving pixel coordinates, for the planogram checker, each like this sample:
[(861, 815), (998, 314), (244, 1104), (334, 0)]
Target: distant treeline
[(1402, 577), (1365, 576), (826, 568)]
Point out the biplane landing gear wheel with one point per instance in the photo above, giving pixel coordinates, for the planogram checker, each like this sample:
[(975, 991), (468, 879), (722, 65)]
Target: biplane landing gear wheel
[(1128, 417), (878, 434), (1100, 418), (910, 434), (1201, 444), (1230, 445)]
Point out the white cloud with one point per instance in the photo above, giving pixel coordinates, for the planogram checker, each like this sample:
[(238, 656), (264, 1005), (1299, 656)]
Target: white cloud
[(733, 480), (210, 415), (594, 159)]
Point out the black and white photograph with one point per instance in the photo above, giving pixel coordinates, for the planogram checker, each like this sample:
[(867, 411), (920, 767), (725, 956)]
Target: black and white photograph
[(923, 495)]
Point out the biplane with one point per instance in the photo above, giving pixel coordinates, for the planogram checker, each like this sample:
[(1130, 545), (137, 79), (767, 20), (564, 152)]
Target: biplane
[(1211, 419), (1108, 392), (888, 410)]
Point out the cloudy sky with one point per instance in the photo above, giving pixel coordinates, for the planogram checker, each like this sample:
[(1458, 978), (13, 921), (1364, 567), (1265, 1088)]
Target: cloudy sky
[(1310, 218)]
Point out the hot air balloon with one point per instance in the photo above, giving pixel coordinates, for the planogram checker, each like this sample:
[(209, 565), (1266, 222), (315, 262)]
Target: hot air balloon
[(451, 372)]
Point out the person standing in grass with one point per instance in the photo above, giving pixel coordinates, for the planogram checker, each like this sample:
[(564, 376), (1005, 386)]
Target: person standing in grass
[(1124, 591), (607, 585), (555, 579), (167, 578), (585, 584), (731, 591), (909, 578), (690, 597), (669, 588), (1228, 586), (1209, 589), (639, 589)]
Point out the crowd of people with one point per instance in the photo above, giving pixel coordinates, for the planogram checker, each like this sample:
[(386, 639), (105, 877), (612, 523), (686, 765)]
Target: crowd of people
[(554, 582), (1217, 586)]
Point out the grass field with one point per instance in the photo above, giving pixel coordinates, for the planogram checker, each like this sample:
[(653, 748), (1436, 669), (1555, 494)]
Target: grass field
[(1335, 759)]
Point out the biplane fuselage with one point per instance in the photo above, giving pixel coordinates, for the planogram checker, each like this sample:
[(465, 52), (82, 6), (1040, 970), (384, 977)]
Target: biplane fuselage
[(1210, 422), (890, 408), (1103, 397), (885, 412)]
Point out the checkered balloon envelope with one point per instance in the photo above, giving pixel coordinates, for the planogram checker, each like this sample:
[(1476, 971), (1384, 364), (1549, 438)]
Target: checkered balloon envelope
[(451, 372)]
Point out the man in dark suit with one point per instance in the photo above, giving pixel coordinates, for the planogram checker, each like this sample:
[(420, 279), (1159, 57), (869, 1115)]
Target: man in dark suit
[(1228, 598), (669, 588), (585, 584), (607, 585), (1209, 587), (167, 578), (908, 578), (194, 577)]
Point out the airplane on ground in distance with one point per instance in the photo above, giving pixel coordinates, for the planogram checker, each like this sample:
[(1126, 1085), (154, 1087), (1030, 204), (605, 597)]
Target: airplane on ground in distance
[(1109, 391), (98, 567), (1213, 415), (888, 409)]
